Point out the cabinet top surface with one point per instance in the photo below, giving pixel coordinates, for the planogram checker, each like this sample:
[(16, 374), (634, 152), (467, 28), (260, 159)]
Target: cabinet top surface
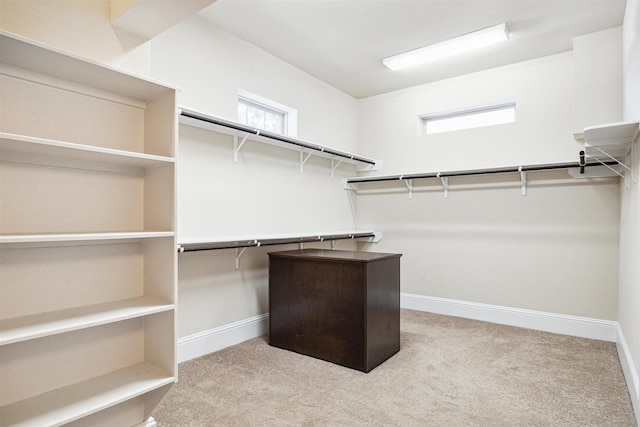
[(324, 254)]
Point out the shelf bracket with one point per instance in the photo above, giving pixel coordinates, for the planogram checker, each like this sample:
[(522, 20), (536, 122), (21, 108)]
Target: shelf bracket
[(445, 185), (303, 160), (237, 147), (409, 183), (240, 251), (621, 175), (523, 180), (334, 166)]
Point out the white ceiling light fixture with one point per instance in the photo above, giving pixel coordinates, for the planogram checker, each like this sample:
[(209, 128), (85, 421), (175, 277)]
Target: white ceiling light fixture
[(464, 43)]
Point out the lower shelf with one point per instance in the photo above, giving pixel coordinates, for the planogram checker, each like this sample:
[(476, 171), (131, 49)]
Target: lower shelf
[(70, 403), (41, 325)]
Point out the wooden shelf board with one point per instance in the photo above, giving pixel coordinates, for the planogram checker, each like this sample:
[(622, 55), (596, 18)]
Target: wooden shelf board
[(21, 52), (611, 134), (51, 148), (80, 237), (72, 402), (45, 324)]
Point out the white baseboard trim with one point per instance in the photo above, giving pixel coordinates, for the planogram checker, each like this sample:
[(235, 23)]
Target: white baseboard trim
[(215, 339), (206, 342), (583, 327), (150, 422), (629, 370)]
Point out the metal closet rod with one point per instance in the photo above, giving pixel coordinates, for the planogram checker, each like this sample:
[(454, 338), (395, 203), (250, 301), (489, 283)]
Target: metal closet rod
[(510, 169), (193, 247), (276, 137)]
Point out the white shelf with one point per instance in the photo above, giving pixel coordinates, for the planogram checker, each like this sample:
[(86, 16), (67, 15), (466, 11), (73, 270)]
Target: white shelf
[(45, 324), (217, 124), (230, 242), (70, 403), (610, 140), (26, 54), (31, 146), (88, 239), (9, 239)]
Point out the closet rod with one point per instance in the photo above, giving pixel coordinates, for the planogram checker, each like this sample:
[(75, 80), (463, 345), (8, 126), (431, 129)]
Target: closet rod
[(192, 247), (257, 132), (511, 169)]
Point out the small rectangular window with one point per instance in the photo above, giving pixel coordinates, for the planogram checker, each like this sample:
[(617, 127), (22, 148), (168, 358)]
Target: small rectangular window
[(262, 113), (260, 116), (469, 118)]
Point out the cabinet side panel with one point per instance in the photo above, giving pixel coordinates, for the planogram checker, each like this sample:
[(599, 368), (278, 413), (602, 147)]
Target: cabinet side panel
[(160, 265), (34, 367), (160, 341), (39, 280), (37, 109), (160, 125), (316, 308), (383, 310), (159, 199)]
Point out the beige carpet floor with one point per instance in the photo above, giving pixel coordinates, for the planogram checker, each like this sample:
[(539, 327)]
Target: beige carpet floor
[(449, 372)]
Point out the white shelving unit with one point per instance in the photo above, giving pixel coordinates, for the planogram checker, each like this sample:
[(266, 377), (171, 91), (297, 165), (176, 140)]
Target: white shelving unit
[(87, 240), (613, 141)]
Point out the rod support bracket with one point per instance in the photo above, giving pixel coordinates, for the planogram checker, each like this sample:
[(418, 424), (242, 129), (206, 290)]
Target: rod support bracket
[(409, 183), (237, 146), (239, 252), (303, 160), (523, 180), (334, 166), (445, 184)]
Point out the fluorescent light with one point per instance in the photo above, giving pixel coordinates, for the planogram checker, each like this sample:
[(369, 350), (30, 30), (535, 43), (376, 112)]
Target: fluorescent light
[(464, 43), (471, 118)]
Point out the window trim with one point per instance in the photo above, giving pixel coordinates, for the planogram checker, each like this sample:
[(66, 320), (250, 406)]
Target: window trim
[(290, 114), (424, 119)]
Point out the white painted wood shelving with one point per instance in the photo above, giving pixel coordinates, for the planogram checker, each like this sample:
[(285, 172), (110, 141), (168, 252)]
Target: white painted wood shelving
[(613, 141), (306, 149), (87, 240), (240, 243)]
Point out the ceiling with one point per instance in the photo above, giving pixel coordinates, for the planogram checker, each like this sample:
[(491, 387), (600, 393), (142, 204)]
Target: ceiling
[(342, 42)]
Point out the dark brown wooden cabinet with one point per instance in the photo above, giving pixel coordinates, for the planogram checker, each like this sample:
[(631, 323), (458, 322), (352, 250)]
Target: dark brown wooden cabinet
[(338, 306)]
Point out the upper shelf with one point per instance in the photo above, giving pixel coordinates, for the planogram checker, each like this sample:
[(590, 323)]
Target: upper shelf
[(612, 140), (20, 52), (201, 120), (12, 144)]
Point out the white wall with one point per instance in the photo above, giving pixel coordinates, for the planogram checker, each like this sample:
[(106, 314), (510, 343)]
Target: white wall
[(264, 193), (81, 28), (542, 89), (629, 296), (598, 62), (553, 250)]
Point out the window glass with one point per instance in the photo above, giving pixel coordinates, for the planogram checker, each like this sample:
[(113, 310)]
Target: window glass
[(261, 117)]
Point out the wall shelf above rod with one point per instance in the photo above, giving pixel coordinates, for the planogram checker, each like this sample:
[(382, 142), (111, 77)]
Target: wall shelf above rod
[(613, 141), (240, 243), (576, 169), (238, 130)]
